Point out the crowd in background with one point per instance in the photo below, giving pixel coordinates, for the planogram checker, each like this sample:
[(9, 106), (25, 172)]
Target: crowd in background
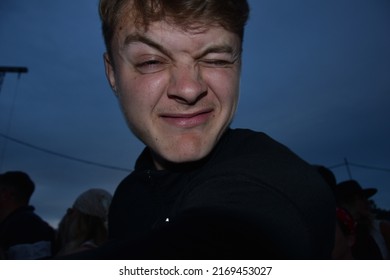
[(359, 233), (25, 235)]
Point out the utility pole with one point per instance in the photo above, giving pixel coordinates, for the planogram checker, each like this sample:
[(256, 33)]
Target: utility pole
[(348, 169), (11, 69), (3, 71)]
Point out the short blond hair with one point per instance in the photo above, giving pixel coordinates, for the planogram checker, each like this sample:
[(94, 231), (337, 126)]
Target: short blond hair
[(230, 14)]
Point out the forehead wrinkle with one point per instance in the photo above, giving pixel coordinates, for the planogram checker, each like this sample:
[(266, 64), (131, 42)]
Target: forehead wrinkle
[(209, 48), (139, 38)]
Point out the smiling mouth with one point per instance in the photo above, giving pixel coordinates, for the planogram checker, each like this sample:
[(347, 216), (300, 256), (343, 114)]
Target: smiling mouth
[(187, 120)]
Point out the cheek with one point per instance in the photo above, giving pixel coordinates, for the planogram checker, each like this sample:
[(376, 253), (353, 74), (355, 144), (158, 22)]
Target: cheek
[(140, 94), (225, 85)]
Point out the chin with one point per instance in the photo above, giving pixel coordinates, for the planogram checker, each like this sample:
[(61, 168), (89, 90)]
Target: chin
[(177, 158), (188, 157)]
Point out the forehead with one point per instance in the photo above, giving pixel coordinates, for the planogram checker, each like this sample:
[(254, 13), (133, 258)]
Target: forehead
[(135, 23), (169, 34)]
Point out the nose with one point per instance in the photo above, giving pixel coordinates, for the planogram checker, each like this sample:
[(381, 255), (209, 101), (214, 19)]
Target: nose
[(186, 84)]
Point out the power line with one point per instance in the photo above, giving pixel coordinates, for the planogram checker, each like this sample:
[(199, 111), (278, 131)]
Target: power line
[(369, 167), (62, 155), (19, 71), (345, 163), (336, 165), (348, 163)]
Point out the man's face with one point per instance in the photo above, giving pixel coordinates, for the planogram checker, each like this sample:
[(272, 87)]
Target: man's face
[(177, 89)]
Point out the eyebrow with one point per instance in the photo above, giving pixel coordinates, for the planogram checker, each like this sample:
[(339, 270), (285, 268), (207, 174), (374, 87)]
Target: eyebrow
[(139, 38)]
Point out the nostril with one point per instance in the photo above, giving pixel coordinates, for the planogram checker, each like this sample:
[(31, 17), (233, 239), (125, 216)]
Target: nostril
[(186, 85), (188, 101)]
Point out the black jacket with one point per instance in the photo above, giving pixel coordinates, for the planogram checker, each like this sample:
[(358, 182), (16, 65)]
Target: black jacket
[(23, 226), (252, 198)]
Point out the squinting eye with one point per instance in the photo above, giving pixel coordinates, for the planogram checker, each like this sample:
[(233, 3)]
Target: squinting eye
[(217, 63), (150, 66)]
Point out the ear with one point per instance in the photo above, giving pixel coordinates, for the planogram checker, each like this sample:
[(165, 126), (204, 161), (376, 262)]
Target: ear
[(108, 65)]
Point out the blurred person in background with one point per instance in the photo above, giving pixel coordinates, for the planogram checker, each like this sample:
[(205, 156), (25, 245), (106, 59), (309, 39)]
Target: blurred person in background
[(84, 226), (372, 235), (345, 236), (23, 234)]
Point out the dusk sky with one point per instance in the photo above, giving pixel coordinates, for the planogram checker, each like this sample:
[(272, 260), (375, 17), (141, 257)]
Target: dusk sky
[(316, 77)]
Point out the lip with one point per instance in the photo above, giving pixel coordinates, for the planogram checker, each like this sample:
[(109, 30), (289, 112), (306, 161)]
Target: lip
[(187, 120)]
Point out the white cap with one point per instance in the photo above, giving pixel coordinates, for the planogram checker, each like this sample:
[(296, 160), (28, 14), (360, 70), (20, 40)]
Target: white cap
[(94, 202)]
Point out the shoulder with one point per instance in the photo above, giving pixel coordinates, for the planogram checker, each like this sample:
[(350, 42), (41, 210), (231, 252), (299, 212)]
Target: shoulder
[(262, 180), (34, 221), (251, 147), (26, 218), (246, 155), (244, 139)]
